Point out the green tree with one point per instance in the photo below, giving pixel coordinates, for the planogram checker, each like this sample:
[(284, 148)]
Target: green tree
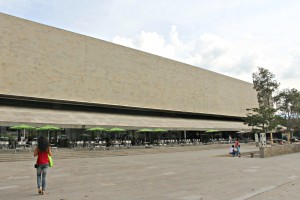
[(265, 85), (263, 117), (288, 103)]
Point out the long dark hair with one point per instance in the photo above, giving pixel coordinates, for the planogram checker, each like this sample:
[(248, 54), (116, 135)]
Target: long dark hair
[(43, 144)]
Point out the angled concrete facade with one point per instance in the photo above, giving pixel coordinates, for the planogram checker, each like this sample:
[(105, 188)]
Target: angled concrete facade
[(38, 61)]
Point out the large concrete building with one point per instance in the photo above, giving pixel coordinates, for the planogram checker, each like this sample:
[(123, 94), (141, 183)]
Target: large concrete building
[(53, 76)]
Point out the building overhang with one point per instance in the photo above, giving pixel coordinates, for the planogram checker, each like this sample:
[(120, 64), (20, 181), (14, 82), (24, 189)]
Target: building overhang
[(10, 115)]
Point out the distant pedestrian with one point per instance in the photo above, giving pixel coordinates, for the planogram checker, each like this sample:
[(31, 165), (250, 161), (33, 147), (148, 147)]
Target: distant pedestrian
[(42, 151)]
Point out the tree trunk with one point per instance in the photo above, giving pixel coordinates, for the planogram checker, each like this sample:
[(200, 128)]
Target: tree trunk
[(271, 137)]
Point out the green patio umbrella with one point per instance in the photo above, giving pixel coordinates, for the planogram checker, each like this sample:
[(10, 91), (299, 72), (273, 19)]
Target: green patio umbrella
[(145, 130), (116, 130), (212, 131), (48, 128), (22, 127), (96, 129), (160, 130)]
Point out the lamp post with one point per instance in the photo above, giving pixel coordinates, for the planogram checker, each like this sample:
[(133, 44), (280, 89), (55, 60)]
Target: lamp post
[(289, 128)]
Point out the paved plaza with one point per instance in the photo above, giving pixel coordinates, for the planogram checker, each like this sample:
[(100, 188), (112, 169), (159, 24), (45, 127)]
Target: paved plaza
[(189, 175)]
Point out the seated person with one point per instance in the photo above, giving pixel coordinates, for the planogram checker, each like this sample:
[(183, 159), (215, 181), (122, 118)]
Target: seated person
[(232, 151)]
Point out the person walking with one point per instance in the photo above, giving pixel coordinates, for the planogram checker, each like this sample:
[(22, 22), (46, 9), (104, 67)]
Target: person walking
[(230, 139), (238, 152), (237, 143), (42, 151)]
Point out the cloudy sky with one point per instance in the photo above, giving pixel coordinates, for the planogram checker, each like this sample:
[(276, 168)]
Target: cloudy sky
[(231, 37)]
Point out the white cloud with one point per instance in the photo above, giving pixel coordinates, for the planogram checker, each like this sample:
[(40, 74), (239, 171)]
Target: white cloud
[(124, 41), (293, 65), (209, 51), (237, 58), (171, 47), (152, 42)]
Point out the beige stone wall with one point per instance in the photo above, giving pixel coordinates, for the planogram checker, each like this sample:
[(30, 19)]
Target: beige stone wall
[(46, 62), (279, 150)]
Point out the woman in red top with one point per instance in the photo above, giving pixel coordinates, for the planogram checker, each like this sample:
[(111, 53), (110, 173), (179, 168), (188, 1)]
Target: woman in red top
[(237, 143), (42, 151)]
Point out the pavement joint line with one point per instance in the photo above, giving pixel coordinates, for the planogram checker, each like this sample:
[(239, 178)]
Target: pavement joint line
[(18, 177), (8, 187), (266, 189)]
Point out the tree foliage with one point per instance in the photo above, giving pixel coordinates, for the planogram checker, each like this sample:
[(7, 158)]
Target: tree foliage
[(288, 103), (265, 85), (263, 117)]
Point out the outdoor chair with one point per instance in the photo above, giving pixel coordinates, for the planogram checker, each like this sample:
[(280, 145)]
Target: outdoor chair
[(102, 144), (4, 144), (79, 144), (21, 144), (128, 143)]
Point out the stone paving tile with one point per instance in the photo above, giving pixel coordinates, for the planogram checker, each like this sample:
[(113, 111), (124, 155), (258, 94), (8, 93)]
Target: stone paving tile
[(189, 175)]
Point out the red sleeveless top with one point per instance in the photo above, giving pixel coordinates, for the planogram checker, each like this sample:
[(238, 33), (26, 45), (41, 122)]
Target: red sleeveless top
[(42, 158)]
